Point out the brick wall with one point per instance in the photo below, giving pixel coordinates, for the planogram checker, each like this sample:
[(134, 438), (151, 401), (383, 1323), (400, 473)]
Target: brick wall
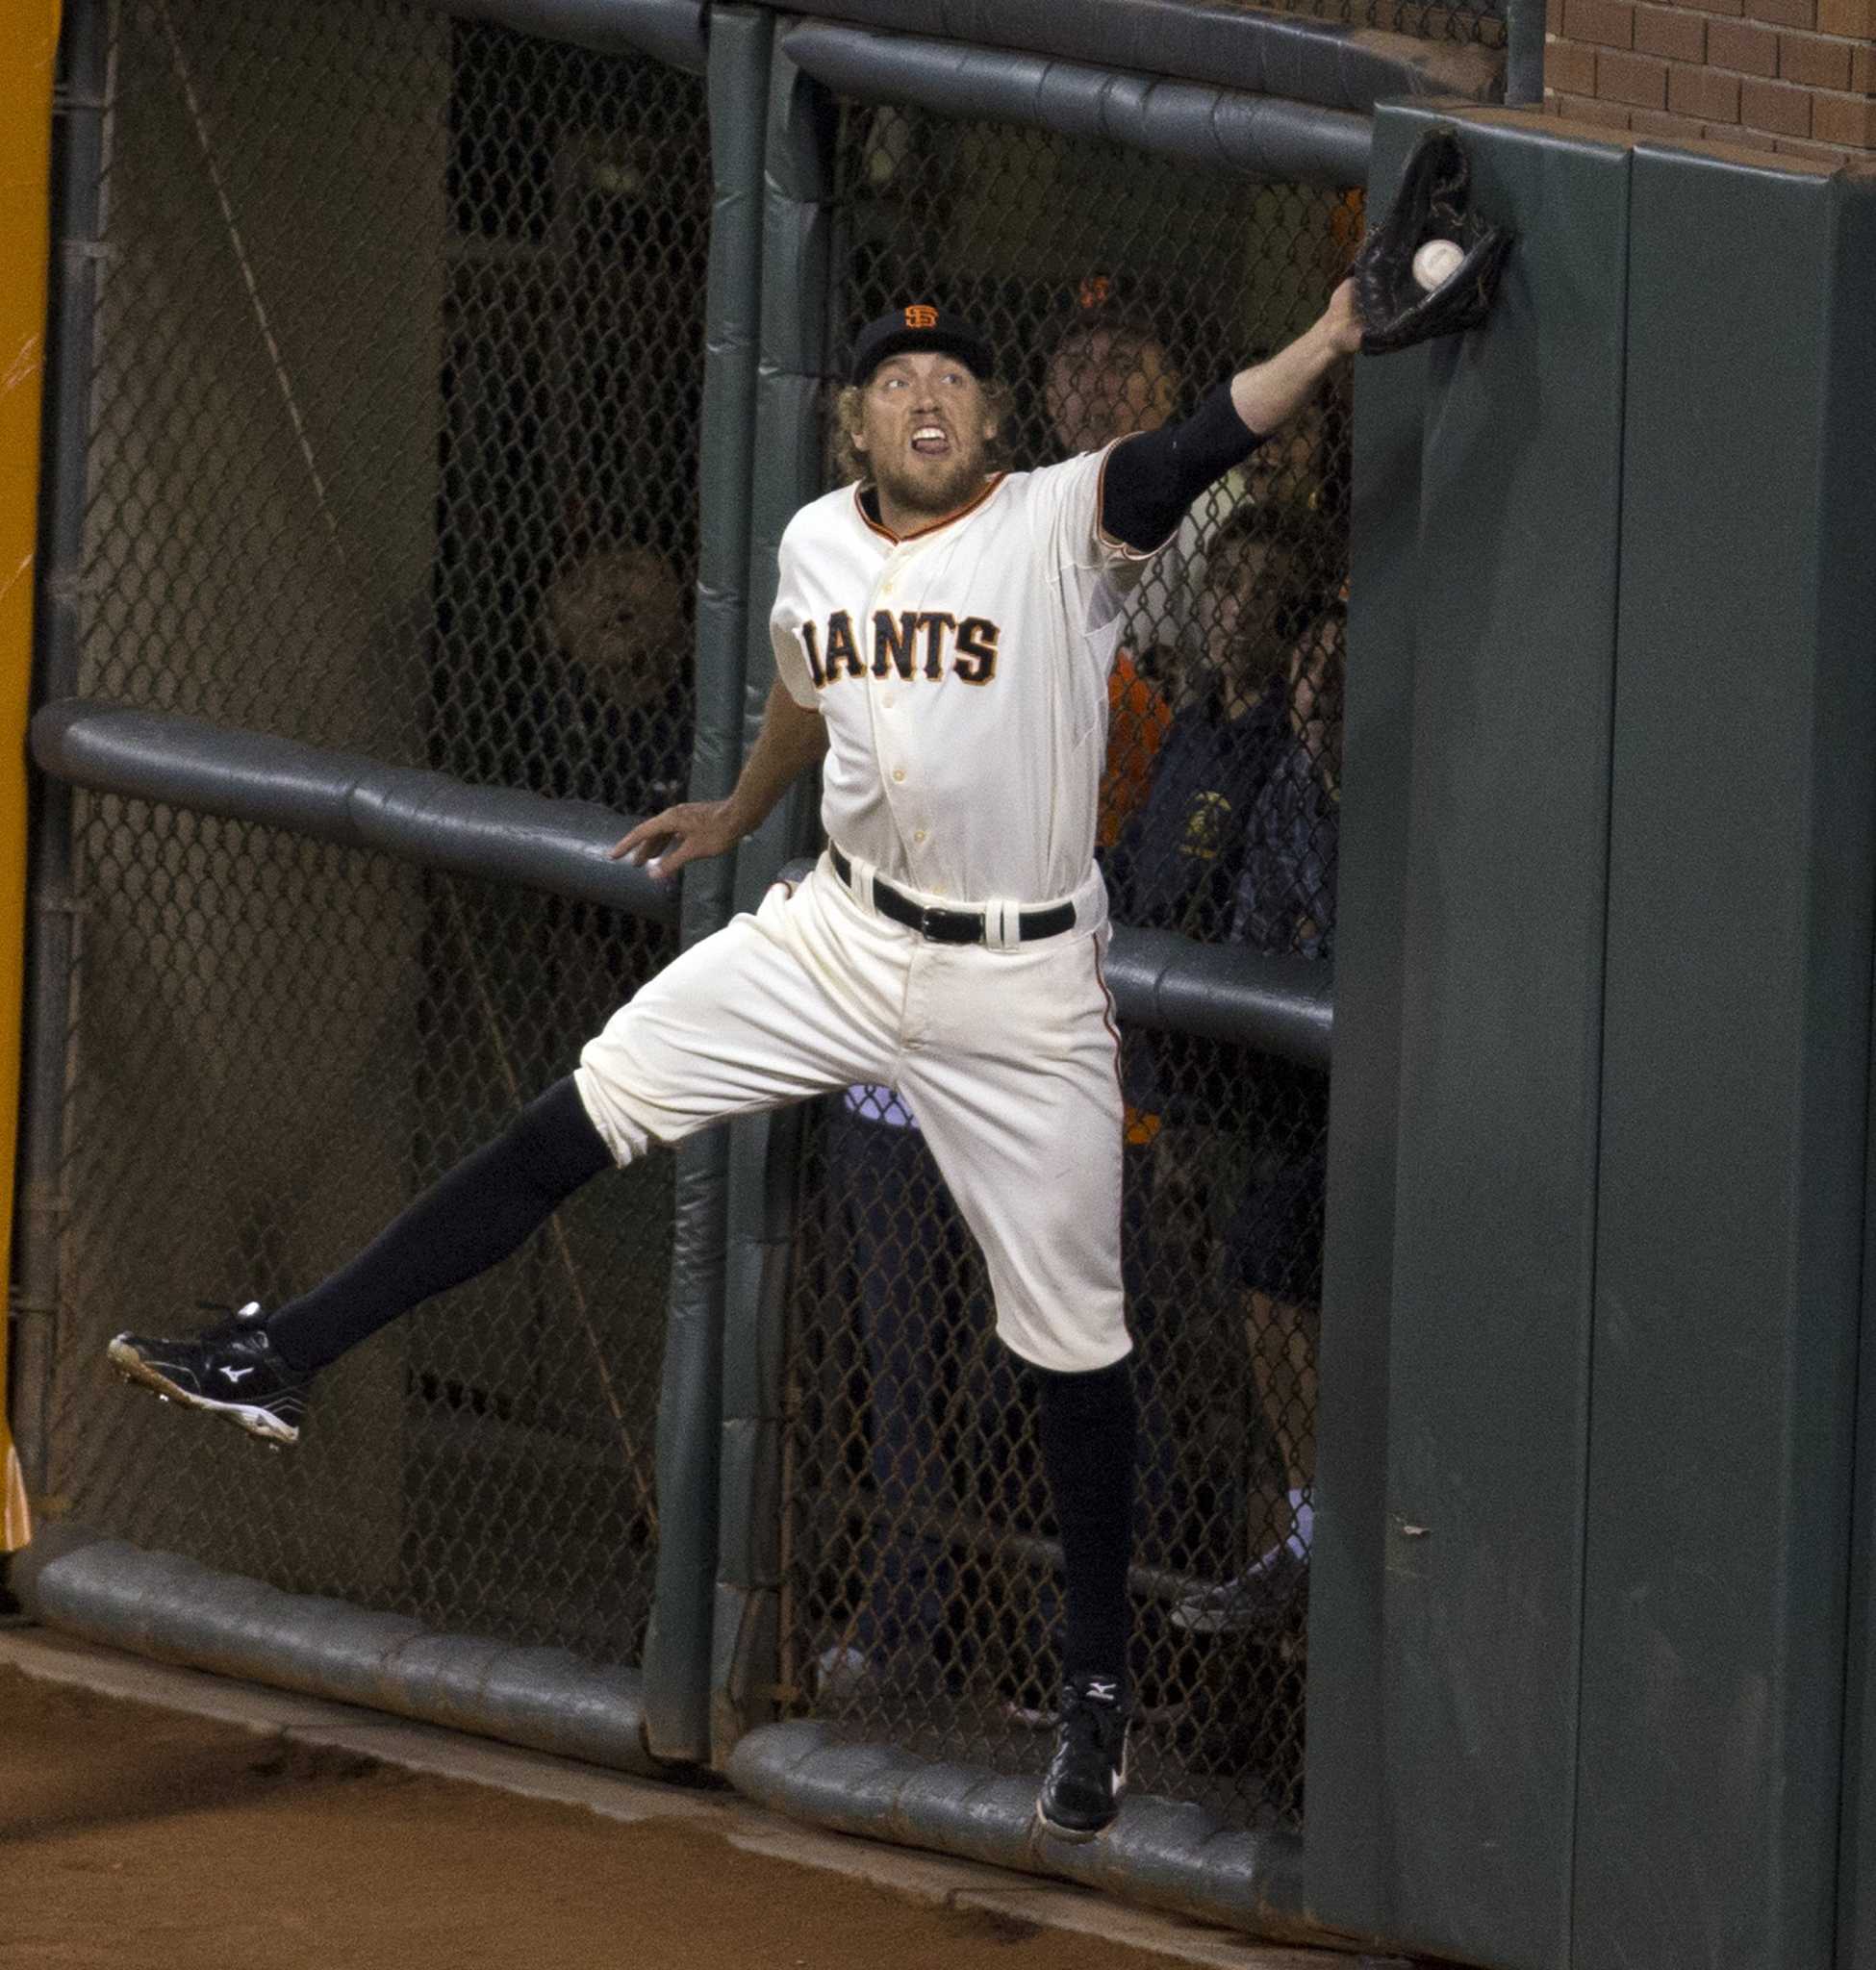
[(1783, 75)]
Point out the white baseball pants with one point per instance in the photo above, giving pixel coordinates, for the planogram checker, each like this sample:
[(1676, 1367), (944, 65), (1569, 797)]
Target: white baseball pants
[(1009, 1058)]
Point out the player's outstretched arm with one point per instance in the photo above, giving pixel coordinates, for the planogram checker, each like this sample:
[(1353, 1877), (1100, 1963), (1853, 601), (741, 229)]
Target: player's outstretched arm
[(1268, 395), (1152, 479), (793, 738)]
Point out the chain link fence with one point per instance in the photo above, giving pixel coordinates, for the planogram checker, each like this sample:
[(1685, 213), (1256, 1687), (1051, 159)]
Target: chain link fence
[(1428, 20), (920, 1575), (395, 417), (393, 448), (399, 364)]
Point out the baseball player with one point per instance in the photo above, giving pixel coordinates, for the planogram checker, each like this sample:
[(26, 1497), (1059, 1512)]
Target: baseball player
[(942, 633)]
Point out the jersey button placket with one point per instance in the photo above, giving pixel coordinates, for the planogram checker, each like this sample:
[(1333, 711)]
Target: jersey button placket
[(888, 738), (884, 745)]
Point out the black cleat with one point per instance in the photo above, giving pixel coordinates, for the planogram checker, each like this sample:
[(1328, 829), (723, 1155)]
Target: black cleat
[(1081, 1790), (231, 1370)]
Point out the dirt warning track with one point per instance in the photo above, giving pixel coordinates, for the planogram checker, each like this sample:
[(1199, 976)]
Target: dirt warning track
[(147, 1839)]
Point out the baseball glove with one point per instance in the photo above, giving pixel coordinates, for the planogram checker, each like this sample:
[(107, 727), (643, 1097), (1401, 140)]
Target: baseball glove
[(1396, 311)]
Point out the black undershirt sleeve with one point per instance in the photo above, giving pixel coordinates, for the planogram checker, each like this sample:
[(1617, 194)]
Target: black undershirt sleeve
[(1152, 479)]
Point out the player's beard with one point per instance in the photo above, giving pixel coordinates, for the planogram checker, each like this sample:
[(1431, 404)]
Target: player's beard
[(930, 489)]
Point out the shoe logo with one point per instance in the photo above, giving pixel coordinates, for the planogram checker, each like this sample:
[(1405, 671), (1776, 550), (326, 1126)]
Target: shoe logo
[(236, 1374)]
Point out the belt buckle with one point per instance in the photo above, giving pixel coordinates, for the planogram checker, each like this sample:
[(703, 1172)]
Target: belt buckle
[(941, 923)]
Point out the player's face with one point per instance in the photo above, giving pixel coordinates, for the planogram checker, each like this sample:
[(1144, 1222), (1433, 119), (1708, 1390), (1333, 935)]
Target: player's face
[(924, 433), (618, 613), (1102, 386)]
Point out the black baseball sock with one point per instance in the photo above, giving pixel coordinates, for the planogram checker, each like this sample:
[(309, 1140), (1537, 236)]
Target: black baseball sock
[(476, 1214), (1088, 1427)]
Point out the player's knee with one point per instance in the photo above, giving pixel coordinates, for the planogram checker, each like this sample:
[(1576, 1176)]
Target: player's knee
[(557, 1141), (1067, 1357), (610, 1110)]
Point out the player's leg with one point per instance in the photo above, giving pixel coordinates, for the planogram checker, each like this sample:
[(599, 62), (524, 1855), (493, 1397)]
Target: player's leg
[(1021, 1097), (1087, 1421), (255, 1369), (741, 1020)]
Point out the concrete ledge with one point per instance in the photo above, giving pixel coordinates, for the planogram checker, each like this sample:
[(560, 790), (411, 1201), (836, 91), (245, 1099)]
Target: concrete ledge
[(1161, 1855), (173, 1609), (50, 1657)]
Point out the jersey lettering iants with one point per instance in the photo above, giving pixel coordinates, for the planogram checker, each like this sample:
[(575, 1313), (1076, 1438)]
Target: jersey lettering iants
[(913, 642), (962, 672)]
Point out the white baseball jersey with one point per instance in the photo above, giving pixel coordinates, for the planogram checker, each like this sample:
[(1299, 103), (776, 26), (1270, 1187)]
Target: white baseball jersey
[(962, 672), (963, 675)]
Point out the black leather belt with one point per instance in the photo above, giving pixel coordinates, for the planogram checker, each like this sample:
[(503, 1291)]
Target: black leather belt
[(950, 926)]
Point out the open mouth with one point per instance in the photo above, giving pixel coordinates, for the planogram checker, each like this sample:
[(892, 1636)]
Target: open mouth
[(929, 441)]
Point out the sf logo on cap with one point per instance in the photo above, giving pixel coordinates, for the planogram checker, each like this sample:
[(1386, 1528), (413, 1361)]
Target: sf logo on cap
[(919, 316)]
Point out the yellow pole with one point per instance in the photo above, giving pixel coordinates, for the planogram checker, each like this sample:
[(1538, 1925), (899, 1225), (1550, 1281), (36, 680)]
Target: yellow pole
[(27, 52)]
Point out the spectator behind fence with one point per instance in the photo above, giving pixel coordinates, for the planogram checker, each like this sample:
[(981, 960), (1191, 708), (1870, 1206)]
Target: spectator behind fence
[(1174, 866), (1109, 374), (1304, 469), (602, 713), (564, 672), (1267, 573), (585, 694), (612, 690), (1274, 1170)]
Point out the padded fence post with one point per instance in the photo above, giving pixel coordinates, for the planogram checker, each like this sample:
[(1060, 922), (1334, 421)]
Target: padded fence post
[(76, 182), (1463, 1149), (1347, 1846), (1856, 1900), (763, 1149), (1742, 874), (678, 1643)]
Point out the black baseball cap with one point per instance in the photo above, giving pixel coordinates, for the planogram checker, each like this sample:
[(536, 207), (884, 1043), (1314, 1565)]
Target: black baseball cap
[(1104, 306), (919, 326), (1099, 306)]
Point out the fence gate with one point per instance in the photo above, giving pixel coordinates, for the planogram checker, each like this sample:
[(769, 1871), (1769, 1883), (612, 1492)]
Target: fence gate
[(396, 375)]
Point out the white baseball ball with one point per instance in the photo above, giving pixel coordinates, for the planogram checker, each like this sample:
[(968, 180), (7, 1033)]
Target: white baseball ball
[(1435, 263)]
